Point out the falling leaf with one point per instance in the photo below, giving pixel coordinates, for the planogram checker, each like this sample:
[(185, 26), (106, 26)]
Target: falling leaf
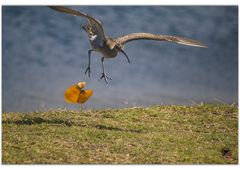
[(76, 94)]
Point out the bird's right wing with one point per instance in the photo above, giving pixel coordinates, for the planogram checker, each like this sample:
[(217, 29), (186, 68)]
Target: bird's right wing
[(95, 24), (148, 36)]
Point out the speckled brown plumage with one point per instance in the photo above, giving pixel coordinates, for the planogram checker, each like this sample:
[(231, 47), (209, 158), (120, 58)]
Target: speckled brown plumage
[(110, 47)]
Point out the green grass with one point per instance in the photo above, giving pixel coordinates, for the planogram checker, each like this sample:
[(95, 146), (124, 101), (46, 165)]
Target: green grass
[(150, 135)]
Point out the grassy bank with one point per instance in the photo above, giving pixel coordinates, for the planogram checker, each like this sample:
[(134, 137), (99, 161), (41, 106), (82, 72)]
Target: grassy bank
[(158, 134)]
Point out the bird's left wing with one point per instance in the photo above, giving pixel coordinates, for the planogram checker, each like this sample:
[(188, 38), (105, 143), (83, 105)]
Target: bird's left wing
[(95, 24)]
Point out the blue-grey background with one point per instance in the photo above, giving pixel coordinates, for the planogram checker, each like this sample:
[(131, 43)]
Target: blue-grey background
[(44, 52)]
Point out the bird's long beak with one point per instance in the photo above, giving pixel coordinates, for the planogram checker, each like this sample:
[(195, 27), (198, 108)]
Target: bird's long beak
[(120, 49), (125, 55)]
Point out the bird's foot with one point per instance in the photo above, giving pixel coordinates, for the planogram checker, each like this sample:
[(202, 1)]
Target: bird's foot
[(105, 77), (88, 70)]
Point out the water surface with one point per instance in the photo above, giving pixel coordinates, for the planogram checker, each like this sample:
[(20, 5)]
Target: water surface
[(44, 52)]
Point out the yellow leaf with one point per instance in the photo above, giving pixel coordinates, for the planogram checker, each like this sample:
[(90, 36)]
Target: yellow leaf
[(75, 94), (84, 95)]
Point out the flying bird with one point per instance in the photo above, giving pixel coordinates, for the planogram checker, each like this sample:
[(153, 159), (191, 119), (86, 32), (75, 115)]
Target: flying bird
[(110, 47)]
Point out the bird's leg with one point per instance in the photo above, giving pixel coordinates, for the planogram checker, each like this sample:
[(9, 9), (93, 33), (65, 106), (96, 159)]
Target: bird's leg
[(103, 73), (89, 63)]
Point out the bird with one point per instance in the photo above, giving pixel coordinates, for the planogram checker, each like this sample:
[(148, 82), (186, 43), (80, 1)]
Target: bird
[(110, 47)]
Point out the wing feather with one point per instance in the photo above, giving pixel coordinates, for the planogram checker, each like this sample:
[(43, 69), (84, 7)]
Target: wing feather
[(95, 24), (147, 36)]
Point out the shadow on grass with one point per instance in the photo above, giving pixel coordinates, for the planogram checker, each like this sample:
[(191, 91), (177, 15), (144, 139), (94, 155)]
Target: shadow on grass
[(103, 127), (38, 120)]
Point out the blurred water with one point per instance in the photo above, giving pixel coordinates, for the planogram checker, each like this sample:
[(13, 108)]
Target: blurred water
[(44, 52)]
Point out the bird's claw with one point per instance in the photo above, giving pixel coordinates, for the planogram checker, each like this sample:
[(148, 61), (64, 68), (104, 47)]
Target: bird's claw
[(88, 70), (105, 77)]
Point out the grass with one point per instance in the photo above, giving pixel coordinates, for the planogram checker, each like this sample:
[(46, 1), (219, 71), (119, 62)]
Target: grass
[(151, 135)]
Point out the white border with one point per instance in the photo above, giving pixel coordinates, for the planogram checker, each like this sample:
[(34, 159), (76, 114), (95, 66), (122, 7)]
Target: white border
[(122, 2), (112, 2)]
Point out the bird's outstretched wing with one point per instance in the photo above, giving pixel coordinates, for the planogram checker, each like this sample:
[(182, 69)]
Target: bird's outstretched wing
[(147, 36), (95, 24)]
